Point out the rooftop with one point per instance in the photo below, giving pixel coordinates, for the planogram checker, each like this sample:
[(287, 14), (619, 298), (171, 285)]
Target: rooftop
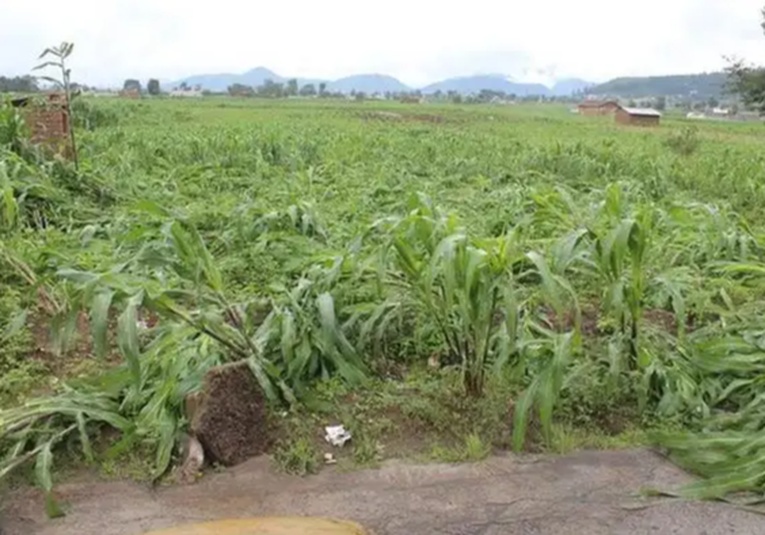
[(645, 112), (595, 103)]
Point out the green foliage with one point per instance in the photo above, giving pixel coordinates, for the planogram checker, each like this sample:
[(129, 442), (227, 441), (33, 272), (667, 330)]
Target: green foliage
[(464, 286), (298, 457), (13, 131), (152, 87), (551, 362), (131, 84), (748, 81), (367, 451), (89, 115), (685, 141), (17, 374), (473, 449), (18, 84)]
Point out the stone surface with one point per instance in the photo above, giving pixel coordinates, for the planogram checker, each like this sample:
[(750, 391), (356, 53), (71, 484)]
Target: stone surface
[(587, 492)]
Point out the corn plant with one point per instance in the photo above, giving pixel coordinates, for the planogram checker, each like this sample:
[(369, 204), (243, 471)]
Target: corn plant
[(464, 286), (176, 277), (726, 449), (548, 358), (13, 129), (288, 341), (33, 430), (60, 54)]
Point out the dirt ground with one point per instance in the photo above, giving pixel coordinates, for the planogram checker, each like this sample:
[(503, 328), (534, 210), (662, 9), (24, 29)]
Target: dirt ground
[(586, 492)]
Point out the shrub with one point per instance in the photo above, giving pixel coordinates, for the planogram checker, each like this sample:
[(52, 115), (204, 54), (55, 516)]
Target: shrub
[(298, 458), (90, 116), (685, 141)]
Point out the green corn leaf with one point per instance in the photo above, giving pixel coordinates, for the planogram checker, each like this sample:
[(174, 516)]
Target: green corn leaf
[(521, 415), (552, 291), (152, 208), (44, 479), (168, 427), (87, 449), (289, 336), (127, 338), (14, 326), (99, 320)]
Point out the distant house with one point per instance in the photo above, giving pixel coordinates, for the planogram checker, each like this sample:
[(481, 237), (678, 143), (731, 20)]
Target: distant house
[(720, 112), (131, 92), (638, 116), (597, 107), (47, 119)]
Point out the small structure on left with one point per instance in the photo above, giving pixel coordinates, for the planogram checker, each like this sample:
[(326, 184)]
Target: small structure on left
[(48, 121)]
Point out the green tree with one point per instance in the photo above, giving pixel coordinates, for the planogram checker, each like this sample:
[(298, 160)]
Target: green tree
[(270, 89), (322, 88), (153, 87), (18, 84), (748, 81), (308, 90), (661, 103), (713, 102), (240, 90), (132, 84), (292, 87)]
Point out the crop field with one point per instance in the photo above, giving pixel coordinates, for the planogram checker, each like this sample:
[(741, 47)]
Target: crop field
[(445, 281)]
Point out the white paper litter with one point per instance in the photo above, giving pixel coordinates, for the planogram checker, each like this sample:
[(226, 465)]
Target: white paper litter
[(336, 435)]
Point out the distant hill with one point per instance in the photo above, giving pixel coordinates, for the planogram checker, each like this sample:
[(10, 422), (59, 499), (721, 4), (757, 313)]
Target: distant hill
[(569, 86), (367, 83), (220, 82), (691, 85), (701, 86), (493, 82)]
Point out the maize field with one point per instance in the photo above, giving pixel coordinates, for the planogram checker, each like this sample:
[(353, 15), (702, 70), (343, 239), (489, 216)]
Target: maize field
[(319, 241)]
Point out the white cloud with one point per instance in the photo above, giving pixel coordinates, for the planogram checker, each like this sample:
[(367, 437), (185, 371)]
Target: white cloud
[(418, 41)]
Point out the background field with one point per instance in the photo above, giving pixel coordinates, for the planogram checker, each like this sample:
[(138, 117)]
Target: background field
[(600, 282)]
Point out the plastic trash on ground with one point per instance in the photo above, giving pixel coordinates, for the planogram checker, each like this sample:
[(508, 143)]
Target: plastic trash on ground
[(336, 435)]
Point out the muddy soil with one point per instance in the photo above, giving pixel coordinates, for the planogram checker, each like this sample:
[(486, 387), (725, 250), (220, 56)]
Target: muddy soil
[(586, 492)]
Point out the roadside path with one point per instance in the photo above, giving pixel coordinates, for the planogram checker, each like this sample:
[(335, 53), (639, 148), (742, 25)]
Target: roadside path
[(591, 492)]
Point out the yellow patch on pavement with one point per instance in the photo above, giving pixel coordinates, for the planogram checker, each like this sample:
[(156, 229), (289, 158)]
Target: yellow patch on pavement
[(268, 526)]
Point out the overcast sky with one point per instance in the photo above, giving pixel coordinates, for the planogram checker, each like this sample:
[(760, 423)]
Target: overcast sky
[(418, 41)]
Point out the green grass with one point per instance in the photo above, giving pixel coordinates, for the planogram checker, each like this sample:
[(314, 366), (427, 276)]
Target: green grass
[(573, 279), (297, 457)]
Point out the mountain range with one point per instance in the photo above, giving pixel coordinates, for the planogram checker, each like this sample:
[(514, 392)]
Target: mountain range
[(381, 83), (698, 86), (704, 85)]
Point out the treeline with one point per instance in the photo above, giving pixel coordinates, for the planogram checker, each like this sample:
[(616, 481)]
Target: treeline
[(18, 84), (272, 89), (29, 84)]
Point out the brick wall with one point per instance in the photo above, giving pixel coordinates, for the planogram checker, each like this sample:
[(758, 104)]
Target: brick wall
[(49, 126)]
